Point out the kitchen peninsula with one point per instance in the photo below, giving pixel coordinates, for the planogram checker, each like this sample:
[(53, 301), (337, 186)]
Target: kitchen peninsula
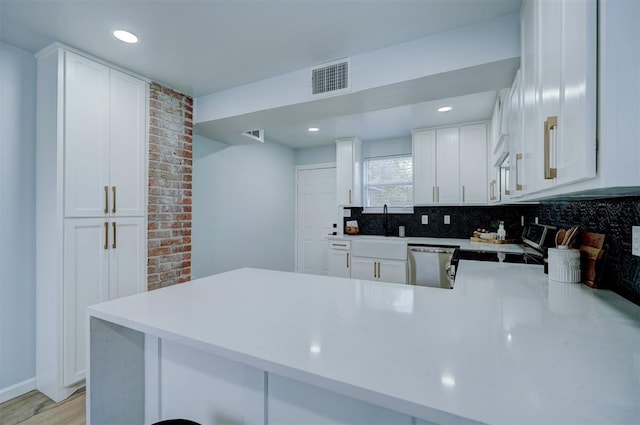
[(259, 346)]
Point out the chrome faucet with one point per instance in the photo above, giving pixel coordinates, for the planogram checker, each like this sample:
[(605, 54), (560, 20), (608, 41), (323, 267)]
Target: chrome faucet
[(385, 220)]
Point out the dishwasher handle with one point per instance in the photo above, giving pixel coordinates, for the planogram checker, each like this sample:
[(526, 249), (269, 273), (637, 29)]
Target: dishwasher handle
[(431, 250)]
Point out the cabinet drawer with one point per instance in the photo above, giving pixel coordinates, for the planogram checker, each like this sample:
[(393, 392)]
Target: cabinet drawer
[(343, 245)]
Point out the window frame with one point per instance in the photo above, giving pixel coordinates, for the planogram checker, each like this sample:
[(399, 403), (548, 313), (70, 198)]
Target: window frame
[(379, 209)]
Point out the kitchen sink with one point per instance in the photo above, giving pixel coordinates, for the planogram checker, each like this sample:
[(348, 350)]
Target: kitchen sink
[(379, 247)]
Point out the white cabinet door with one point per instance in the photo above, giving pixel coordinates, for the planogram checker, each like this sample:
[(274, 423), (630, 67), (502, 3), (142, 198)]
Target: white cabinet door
[(86, 282), (86, 132), (348, 172), (364, 268), (558, 61), (549, 22), (339, 263), (424, 172), (447, 166), (515, 139), (394, 271), (127, 146), (532, 130), (576, 148), (127, 256), (473, 163)]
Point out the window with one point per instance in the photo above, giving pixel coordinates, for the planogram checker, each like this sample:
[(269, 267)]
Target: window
[(389, 180)]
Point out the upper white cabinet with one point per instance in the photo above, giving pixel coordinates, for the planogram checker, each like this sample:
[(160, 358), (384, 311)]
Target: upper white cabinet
[(500, 121), (559, 93), (90, 204), (473, 163), (514, 187), (104, 124), (349, 172), (450, 165), (436, 176)]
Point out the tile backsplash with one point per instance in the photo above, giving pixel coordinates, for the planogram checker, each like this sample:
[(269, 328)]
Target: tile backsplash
[(463, 220), (613, 217)]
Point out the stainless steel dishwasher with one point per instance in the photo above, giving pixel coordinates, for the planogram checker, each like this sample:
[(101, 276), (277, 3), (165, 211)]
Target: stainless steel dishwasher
[(428, 265)]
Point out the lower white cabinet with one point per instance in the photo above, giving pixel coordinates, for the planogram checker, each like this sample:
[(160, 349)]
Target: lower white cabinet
[(383, 270), (339, 263), (103, 260), (339, 258)]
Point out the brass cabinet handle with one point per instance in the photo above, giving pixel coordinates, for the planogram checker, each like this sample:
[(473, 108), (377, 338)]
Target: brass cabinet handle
[(113, 189), (550, 124), (518, 159), (347, 260), (106, 199), (114, 235), (106, 235)]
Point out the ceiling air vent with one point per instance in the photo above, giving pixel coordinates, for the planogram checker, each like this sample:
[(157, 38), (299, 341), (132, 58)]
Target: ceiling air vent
[(330, 78), (257, 135)]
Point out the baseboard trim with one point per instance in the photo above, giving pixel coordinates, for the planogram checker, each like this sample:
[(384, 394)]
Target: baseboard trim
[(16, 390)]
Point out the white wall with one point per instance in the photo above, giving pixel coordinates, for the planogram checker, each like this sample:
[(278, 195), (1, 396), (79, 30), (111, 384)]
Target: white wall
[(243, 207), (17, 220), (316, 155)]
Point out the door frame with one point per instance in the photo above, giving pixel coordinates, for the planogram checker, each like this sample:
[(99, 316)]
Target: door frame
[(295, 206)]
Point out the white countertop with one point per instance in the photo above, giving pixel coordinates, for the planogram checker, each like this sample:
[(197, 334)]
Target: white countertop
[(504, 346), (462, 243)]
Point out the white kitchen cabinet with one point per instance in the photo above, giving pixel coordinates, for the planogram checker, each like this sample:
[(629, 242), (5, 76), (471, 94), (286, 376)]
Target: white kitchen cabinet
[(86, 271), (514, 187), (500, 121), (339, 258), (103, 260), (349, 172), (384, 270), (473, 164), (104, 112), (90, 204), (559, 89), (436, 168)]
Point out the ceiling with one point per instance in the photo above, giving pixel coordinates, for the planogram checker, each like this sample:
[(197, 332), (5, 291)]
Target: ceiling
[(202, 47)]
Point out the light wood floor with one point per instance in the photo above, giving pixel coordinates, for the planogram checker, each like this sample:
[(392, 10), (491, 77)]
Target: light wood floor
[(34, 408)]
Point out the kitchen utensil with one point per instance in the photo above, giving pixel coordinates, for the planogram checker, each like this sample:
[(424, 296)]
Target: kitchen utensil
[(570, 236), (560, 237)]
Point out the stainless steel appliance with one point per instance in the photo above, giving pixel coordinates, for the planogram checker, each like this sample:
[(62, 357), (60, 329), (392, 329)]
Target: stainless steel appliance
[(539, 236), (536, 237), (428, 265)]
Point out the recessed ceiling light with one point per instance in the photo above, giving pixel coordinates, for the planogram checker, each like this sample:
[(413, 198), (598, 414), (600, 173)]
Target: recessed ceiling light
[(445, 109), (314, 129), (125, 36)]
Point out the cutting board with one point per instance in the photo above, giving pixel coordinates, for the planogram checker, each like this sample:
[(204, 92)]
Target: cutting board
[(592, 250)]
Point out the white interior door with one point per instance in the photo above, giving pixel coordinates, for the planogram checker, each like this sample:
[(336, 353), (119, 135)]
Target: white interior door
[(316, 213)]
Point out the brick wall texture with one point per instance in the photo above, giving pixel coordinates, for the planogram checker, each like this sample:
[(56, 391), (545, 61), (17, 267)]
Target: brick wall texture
[(170, 173)]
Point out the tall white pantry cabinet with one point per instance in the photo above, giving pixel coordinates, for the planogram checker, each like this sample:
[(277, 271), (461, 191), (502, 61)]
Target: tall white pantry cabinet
[(91, 157)]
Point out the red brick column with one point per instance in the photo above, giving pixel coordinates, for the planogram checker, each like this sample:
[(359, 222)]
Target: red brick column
[(170, 172)]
